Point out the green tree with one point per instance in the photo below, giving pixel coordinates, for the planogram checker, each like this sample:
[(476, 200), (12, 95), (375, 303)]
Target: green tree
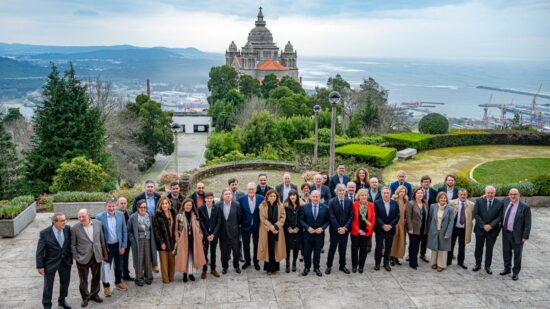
[(280, 92), (225, 110), (222, 79), (292, 84), (295, 128), (10, 167), (259, 132), (270, 82), (66, 126), (220, 144), (355, 126), (433, 123), (12, 115), (80, 174), (337, 83), (156, 133), (295, 104), (249, 86)]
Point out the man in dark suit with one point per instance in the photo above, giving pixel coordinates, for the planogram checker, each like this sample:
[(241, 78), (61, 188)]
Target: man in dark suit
[(488, 215), (210, 221), (401, 177), (374, 190), (198, 196), (87, 248), (516, 227), (233, 184), (284, 188), (449, 188), (341, 215), (314, 219), (429, 193), (53, 255), (150, 196), (351, 191), (250, 225), (230, 230), (123, 208), (176, 198), (387, 216), (262, 187), (324, 190), (339, 178)]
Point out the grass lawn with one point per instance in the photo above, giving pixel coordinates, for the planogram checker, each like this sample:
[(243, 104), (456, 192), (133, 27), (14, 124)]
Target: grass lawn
[(511, 170)]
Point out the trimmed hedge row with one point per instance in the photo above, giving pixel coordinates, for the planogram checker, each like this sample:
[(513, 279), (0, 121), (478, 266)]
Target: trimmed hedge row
[(306, 146), (414, 140), (77, 196), (376, 155), (15, 206)]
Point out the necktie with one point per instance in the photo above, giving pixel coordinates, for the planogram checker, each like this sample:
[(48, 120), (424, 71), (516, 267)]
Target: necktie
[(315, 212), (489, 205), (342, 204), (462, 214), (60, 239), (507, 218)]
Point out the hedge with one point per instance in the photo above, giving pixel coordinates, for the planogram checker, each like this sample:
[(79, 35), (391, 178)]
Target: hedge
[(414, 140), (376, 155), (490, 137), (306, 146), (15, 206), (77, 196), (542, 184)]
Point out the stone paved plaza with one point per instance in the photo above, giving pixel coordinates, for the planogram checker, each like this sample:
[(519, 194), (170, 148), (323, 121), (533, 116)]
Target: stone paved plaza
[(21, 286)]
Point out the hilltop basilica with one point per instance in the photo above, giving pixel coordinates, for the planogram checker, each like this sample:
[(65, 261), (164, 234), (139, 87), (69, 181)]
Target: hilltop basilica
[(261, 56)]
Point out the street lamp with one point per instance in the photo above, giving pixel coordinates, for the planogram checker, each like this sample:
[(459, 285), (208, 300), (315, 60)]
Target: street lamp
[(334, 99), (175, 128), (316, 110)]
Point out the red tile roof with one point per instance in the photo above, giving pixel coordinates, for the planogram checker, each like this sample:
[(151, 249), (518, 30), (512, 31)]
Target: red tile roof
[(271, 65)]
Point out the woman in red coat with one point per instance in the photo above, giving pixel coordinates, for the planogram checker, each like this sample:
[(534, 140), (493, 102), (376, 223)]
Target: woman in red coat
[(362, 228)]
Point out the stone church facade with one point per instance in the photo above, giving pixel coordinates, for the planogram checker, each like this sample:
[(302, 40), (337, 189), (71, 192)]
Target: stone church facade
[(260, 56)]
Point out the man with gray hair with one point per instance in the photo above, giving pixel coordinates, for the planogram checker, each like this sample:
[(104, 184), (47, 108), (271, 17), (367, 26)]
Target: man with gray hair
[(340, 215), (53, 255), (150, 196), (462, 226), (284, 188), (488, 213), (87, 243), (250, 224)]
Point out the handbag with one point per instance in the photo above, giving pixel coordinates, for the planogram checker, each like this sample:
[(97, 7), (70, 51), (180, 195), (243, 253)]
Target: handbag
[(105, 272)]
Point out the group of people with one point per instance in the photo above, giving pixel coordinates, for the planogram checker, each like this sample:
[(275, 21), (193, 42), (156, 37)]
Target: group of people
[(182, 233)]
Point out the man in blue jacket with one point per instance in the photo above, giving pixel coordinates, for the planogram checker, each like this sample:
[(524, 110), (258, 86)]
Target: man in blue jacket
[(401, 181), (150, 196), (116, 239), (250, 224)]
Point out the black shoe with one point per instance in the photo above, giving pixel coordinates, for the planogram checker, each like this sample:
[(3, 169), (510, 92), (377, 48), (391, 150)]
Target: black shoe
[(322, 250), (488, 270), (184, 277), (515, 277), (241, 259), (360, 270), (224, 271), (237, 270), (327, 271), (505, 272), (344, 270), (413, 267), (139, 282), (463, 266), (293, 268), (354, 270), (387, 267), (377, 267), (63, 303), (396, 261), (287, 270), (476, 268), (84, 303), (127, 278), (148, 282), (246, 265), (449, 263), (191, 277), (305, 272), (318, 272), (96, 298), (257, 266), (392, 262)]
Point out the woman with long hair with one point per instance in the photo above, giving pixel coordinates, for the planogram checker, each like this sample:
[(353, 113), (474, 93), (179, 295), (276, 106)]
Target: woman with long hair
[(271, 242), (293, 230), (361, 179), (164, 227), (417, 224), (189, 251), (362, 227), (399, 239), (440, 230)]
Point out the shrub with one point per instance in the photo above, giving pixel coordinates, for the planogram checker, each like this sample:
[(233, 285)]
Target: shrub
[(78, 196), (306, 146), (219, 144), (525, 188), (490, 137), (542, 184), (379, 156), (433, 123), (168, 177), (80, 174), (233, 156), (15, 206), (414, 140)]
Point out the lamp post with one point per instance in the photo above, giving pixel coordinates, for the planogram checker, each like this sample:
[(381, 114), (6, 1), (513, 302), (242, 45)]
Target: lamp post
[(316, 110), (175, 129), (334, 99)]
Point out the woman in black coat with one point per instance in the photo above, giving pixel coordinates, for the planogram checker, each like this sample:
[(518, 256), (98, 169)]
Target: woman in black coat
[(293, 230), (164, 227)]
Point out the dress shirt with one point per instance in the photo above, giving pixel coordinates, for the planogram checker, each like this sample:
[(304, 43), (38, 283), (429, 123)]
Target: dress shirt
[(450, 193), (387, 206), (226, 210), (151, 207), (286, 190), (461, 204), (511, 216), (111, 229), (89, 229), (252, 204), (209, 211), (59, 235)]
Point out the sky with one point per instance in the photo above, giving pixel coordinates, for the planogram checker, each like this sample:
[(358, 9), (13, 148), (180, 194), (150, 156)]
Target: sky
[(495, 29)]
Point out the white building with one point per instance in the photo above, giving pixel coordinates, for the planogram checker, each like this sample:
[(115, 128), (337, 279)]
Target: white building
[(193, 122)]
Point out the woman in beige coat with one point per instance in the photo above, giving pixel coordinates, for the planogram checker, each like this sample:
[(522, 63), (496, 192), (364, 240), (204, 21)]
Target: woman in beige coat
[(271, 241), (189, 252), (399, 239)]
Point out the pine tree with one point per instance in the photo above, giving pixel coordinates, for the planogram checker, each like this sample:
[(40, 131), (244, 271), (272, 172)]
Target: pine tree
[(65, 127), (10, 166)]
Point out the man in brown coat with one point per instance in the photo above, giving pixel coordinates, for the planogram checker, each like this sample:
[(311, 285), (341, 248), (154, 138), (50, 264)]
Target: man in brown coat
[(463, 226)]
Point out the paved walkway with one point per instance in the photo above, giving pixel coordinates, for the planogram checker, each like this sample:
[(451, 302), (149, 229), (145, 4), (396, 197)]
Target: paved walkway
[(21, 286)]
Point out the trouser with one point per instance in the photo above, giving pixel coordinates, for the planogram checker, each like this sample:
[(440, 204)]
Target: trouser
[(509, 248), (114, 254), (229, 246), (340, 242), (145, 261), (439, 258), (414, 246), (167, 266), (83, 269), (64, 280), (460, 234), (384, 240), (290, 241), (489, 241), (212, 246), (359, 250), (246, 245), (125, 261), (369, 245), (313, 244), (423, 244)]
